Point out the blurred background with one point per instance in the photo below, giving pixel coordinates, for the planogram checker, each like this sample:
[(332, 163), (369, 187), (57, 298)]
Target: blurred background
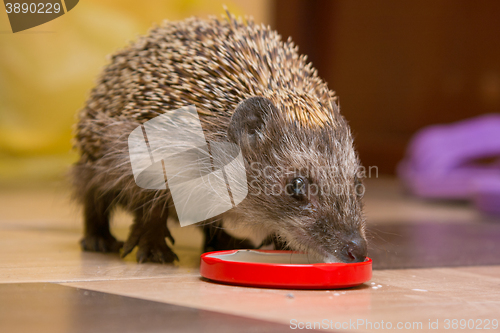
[(396, 65), (47, 72)]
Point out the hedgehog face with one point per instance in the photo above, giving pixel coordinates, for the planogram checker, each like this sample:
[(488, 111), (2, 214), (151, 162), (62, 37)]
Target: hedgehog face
[(303, 185)]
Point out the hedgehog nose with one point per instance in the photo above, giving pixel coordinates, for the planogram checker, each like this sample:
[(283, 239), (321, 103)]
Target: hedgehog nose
[(354, 250)]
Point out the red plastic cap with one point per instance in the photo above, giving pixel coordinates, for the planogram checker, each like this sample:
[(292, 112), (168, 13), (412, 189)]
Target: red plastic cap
[(282, 275)]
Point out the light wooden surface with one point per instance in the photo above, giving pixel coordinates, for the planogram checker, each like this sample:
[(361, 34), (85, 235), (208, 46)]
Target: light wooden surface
[(40, 229), (413, 295)]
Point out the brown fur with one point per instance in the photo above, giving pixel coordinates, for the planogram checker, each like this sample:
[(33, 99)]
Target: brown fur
[(215, 65)]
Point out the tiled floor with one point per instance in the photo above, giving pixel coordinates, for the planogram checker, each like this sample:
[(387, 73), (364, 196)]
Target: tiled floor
[(433, 262)]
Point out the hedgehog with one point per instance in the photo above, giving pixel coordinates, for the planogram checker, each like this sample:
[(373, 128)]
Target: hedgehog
[(250, 88)]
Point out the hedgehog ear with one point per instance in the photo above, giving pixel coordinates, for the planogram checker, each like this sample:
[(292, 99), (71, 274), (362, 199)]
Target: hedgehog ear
[(248, 118)]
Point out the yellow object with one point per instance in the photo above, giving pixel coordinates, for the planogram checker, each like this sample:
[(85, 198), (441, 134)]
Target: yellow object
[(47, 72)]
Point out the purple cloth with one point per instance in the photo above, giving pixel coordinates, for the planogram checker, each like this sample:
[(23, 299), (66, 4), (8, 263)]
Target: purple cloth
[(441, 162)]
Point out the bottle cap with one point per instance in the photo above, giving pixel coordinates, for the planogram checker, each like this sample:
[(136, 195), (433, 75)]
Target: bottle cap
[(281, 269)]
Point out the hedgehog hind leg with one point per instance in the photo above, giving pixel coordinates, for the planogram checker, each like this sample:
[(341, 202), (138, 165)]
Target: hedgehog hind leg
[(148, 233), (216, 239), (97, 235)]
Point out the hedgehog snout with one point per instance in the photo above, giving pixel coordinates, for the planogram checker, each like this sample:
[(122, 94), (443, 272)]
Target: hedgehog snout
[(346, 244), (354, 249)]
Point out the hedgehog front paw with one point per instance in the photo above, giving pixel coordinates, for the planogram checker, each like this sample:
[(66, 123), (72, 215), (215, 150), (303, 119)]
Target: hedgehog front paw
[(151, 243), (155, 251), (99, 243), (217, 239)]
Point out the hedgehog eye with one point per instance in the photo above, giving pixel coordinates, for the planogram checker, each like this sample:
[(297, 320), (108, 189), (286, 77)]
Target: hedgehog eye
[(296, 188)]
